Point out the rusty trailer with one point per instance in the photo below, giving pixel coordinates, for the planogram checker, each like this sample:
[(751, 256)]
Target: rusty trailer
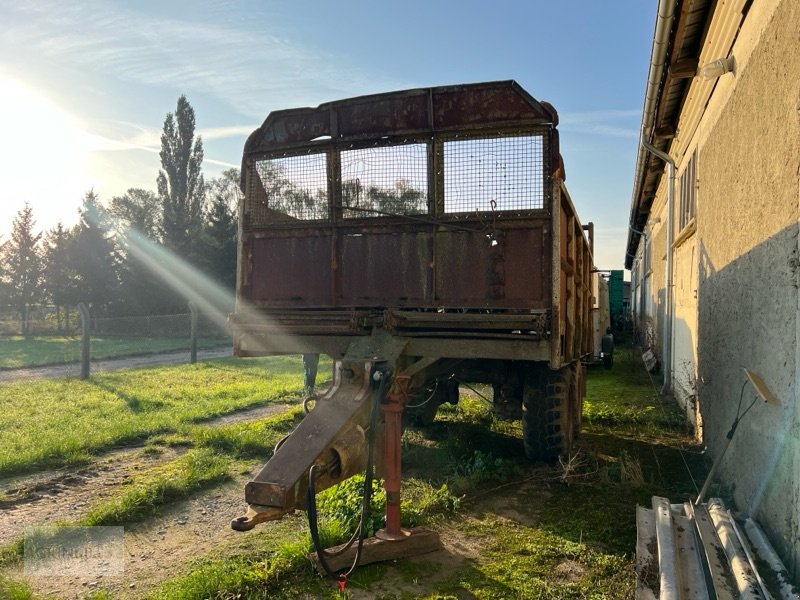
[(420, 238)]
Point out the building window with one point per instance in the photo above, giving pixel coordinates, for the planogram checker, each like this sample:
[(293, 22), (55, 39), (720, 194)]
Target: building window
[(688, 187)]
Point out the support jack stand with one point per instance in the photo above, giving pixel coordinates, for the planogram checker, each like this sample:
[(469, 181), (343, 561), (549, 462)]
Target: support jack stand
[(392, 542), (419, 540)]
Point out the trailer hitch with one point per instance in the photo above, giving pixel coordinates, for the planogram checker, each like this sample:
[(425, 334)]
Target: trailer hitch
[(332, 436)]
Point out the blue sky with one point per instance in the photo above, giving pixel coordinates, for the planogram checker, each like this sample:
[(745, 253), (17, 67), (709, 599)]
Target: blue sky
[(85, 85)]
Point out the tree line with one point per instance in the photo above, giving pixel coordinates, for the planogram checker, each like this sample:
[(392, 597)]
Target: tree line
[(96, 262)]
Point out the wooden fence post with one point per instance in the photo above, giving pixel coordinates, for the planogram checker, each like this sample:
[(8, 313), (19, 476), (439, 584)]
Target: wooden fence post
[(193, 334), (85, 348)]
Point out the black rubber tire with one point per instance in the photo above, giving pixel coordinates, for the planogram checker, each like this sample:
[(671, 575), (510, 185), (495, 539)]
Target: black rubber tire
[(548, 413)]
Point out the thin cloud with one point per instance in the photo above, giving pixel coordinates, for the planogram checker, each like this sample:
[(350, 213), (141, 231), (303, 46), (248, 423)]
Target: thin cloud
[(124, 135), (239, 62), (613, 123), (105, 144), (216, 133), (220, 163)]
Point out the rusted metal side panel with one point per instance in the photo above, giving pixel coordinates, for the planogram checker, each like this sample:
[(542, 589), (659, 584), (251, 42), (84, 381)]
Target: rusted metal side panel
[(588, 301), (405, 114), (557, 285), (564, 300), (512, 273), (385, 267), (453, 108), (572, 264), (528, 274), (396, 267), (288, 127), (291, 270)]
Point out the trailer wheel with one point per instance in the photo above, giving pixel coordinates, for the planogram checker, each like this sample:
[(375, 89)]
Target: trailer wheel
[(549, 418)]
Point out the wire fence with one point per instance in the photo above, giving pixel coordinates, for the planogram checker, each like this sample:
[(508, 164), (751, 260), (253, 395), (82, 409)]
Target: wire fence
[(55, 348), (289, 189)]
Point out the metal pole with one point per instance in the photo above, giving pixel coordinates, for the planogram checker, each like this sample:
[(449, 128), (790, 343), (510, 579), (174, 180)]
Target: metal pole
[(393, 417), (85, 341), (714, 468), (193, 333)]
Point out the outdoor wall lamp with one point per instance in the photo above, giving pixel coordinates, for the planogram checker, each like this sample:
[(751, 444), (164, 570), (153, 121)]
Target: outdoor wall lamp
[(718, 68)]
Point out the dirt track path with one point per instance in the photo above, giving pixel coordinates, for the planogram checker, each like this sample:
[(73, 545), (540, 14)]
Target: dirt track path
[(161, 547), (110, 364), (68, 494), (155, 549)]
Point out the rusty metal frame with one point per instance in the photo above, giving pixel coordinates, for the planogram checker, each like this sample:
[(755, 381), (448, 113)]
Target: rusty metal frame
[(421, 116), (436, 186)]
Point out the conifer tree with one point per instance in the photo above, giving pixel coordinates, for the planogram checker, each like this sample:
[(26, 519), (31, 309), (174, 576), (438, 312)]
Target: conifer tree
[(23, 265), (58, 278), (94, 257), (220, 243)]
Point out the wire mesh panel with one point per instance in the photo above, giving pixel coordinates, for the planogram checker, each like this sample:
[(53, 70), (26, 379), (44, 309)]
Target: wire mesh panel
[(494, 174), (159, 329), (292, 188), (385, 180), (160, 326)]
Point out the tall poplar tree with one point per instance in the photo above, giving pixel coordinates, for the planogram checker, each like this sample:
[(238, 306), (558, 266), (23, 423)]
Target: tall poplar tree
[(181, 189)]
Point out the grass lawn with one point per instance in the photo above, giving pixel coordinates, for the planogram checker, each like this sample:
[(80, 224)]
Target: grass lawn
[(20, 351), (56, 422), (562, 532), (534, 531)]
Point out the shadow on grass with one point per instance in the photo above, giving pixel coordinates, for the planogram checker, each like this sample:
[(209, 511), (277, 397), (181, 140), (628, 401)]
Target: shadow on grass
[(133, 402), (449, 449)]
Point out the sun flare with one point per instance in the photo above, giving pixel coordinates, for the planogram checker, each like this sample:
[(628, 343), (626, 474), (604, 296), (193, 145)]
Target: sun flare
[(44, 154)]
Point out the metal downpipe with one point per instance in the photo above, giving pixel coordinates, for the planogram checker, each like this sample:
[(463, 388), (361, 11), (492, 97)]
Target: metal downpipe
[(664, 16), (668, 325)]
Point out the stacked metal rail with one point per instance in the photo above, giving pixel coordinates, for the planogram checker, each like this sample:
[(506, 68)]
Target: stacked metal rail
[(700, 552)]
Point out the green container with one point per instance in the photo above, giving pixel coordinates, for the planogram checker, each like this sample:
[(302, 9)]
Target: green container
[(615, 293)]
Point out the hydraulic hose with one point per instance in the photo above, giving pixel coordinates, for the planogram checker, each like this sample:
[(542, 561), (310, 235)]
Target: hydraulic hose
[(359, 533)]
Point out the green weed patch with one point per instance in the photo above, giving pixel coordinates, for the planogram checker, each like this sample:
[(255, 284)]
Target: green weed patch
[(524, 562), (626, 396), (14, 590)]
